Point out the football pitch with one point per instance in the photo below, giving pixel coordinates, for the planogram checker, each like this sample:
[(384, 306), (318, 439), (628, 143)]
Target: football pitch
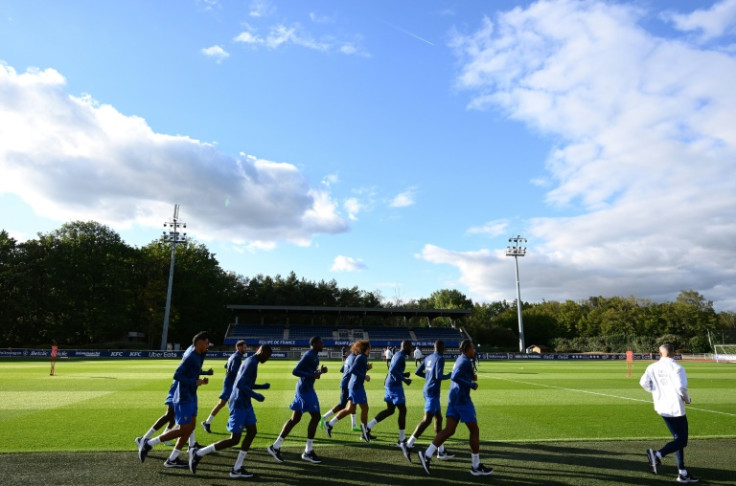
[(582, 423)]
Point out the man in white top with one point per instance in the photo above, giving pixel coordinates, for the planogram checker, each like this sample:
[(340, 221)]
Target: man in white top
[(667, 382), (418, 357)]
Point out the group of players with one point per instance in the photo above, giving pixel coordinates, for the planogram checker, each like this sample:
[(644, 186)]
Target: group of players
[(239, 389)]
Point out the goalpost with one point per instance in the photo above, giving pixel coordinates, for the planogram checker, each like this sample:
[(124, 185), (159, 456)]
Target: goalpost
[(724, 353)]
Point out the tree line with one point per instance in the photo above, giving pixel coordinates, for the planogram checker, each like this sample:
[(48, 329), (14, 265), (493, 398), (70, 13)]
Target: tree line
[(82, 285)]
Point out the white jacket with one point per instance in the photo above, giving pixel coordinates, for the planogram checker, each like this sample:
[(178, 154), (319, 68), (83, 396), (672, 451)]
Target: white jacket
[(667, 382)]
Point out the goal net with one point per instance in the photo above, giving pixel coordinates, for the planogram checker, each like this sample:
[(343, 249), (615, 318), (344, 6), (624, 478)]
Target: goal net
[(725, 353)]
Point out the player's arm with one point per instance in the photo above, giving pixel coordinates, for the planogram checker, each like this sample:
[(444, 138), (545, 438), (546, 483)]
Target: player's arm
[(464, 377), (301, 370), (421, 370), (682, 386), (440, 370), (646, 382), (188, 372)]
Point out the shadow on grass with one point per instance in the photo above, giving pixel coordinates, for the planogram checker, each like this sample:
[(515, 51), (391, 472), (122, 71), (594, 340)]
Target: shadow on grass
[(380, 463)]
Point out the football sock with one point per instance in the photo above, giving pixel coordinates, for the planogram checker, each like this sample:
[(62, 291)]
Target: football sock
[(174, 455), (476, 459), (441, 449), (209, 419), (410, 442), (154, 441), (239, 460), (206, 450), (402, 435), (659, 455), (431, 449), (372, 423), (352, 419), (327, 415), (683, 472), (333, 421), (279, 441), (308, 449), (150, 433), (192, 440)]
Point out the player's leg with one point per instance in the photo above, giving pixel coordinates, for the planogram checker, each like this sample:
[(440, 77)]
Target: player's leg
[(478, 469), (208, 421), (238, 471), (309, 455)]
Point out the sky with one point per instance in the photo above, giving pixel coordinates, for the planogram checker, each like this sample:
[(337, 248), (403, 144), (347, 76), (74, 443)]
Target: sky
[(392, 146)]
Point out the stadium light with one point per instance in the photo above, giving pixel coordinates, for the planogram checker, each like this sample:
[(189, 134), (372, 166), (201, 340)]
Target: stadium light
[(173, 238), (516, 251)]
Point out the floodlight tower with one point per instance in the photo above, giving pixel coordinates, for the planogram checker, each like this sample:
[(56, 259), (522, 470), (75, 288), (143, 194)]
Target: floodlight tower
[(516, 251), (173, 238)]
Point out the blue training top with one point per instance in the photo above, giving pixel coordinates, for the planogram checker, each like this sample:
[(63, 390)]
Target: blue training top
[(186, 376), (231, 369), (395, 377), (245, 384), (358, 372), (432, 370), (305, 370), (462, 381), (345, 370)]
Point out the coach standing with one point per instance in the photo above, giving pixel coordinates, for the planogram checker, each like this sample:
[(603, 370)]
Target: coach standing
[(667, 382)]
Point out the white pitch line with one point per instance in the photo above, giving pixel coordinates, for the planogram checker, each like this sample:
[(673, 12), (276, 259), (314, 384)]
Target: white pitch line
[(605, 395)]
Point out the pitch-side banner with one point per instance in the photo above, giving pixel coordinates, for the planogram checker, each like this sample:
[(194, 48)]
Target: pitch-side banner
[(92, 353)]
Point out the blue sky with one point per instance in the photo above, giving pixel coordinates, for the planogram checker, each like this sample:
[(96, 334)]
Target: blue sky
[(395, 146)]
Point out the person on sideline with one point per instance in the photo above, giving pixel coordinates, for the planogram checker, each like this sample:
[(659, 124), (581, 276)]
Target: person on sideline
[(667, 382), (184, 401), (344, 391), (305, 400), (388, 354), (54, 354), (432, 370), (394, 385), (242, 416), (356, 390), (460, 408), (231, 371), (418, 356)]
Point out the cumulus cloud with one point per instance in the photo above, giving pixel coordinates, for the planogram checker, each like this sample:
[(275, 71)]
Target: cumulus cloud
[(344, 263), (714, 22), (403, 199), (261, 8), (71, 157), (644, 158), (216, 52)]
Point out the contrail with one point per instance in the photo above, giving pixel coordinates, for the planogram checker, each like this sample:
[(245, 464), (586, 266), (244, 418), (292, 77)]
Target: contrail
[(407, 32)]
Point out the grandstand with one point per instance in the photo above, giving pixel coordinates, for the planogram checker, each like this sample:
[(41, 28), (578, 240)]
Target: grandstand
[(291, 327)]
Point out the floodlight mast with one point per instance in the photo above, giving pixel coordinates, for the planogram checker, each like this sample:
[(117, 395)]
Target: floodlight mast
[(516, 251), (173, 238)]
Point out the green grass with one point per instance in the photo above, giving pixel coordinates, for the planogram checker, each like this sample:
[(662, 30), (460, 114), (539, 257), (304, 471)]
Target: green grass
[(541, 422)]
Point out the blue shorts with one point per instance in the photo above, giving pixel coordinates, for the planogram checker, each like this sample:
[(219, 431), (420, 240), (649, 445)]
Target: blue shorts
[(240, 419), (184, 412), (358, 396), (432, 405), (226, 392), (305, 403), (462, 413), (395, 395), (344, 397)]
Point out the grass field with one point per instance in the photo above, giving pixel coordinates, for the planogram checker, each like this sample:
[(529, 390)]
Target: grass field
[(541, 422)]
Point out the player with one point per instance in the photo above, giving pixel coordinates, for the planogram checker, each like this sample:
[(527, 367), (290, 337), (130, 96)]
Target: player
[(231, 370), (667, 382), (394, 385), (184, 401), (356, 390), (54, 354), (432, 370), (305, 400), (418, 356), (344, 391), (460, 408), (242, 415), (388, 354)]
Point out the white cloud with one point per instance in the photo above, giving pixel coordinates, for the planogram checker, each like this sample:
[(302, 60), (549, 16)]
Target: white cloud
[(249, 37), (72, 158), (491, 228), (261, 8), (718, 20), (347, 264), (281, 35), (320, 19), (644, 158), (353, 207), (403, 199), (216, 52)]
